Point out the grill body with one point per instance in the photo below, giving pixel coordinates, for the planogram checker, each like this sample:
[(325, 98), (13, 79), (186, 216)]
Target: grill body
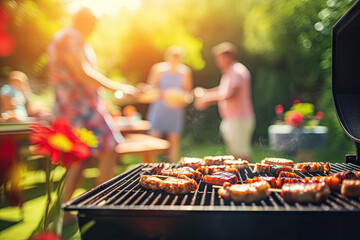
[(122, 209)]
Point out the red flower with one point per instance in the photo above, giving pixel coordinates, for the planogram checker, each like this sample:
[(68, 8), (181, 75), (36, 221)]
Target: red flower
[(279, 109), (46, 235), (319, 115), (60, 143), (294, 119), (296, 101)]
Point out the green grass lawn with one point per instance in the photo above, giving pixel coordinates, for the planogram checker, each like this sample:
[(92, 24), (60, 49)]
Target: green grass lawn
[(16, 223)]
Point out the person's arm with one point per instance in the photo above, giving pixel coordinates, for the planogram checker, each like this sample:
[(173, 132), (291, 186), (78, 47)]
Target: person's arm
[(188, 80), (83, 71), (154, 76), (7, 103)]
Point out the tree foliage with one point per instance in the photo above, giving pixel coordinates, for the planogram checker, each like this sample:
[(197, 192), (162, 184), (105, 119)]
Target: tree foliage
[(286, 44)]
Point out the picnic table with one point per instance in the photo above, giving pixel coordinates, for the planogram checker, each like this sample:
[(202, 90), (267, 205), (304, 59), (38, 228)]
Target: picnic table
[(145, 145)]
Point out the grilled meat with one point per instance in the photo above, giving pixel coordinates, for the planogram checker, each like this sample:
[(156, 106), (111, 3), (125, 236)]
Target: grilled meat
[(350, 188), (309, 167), (158, 167), (333, 182), (180, 185), (347, 175), (173, 185), (252, 192), (240, 164), (216, 160), (271, 169), (187, 171), (191, 162), (278, 161), (208, 170), (305, 192), (219, 178), (150, 182), (270, 180), (261, 168)]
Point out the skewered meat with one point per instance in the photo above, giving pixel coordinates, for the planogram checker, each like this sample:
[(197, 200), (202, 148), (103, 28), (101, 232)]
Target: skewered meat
[(270, 180), (187, 171), (157, 168), (208, 170), (240, 164), (285, 180), (191, 162), (285, 174), (309, 167), (216, 160), (305, 192), (179, 185), (252, 192), (150, 182), (173, 185), (351, 174), (351, 188), (333, 182), (261, 168), (271, 169), (277, 169), (219, 178), (278, 161)]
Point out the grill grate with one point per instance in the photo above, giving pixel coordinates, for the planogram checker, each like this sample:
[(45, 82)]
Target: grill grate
[(124, 193)]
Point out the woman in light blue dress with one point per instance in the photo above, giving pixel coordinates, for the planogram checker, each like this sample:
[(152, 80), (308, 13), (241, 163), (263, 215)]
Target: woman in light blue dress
[(166, 119)]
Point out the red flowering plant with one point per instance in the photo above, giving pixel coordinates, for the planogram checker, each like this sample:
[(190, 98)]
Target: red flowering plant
[(299, 115), (65, 146)]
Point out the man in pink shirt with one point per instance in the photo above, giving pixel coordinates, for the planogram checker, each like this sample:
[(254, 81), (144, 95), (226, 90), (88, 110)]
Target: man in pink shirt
[(233, 96)]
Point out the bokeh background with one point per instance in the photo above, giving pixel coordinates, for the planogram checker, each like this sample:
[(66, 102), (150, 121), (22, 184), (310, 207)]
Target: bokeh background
[(286, 44)]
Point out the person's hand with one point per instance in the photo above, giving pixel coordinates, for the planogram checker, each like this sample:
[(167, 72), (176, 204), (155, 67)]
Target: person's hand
[(199, 102)]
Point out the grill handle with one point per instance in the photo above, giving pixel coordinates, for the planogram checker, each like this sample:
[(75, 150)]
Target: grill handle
[(355, 159)]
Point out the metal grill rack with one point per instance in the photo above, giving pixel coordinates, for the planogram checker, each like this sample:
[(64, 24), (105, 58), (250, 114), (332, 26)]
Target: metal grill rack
[(122, 204)]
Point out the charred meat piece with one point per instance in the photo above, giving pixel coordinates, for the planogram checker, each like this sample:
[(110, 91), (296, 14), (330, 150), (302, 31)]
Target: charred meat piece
[(270, 180), (310, 167), (351, 174), (179, 185), (219, 178), (216, 160), (271, 169), (240, 164), (350, 188), (275, 170), (333, 182), (208, 170), (191, 162), (158, 167), (150, 182), (284, 180), (252, 192), (287, 175), (187, 171), (262, 168), (305, 192), (278, 161)]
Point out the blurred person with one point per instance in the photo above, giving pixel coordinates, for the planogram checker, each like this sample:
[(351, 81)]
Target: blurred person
[(167, 114), (233, 96), (72, 69), (14, 97)]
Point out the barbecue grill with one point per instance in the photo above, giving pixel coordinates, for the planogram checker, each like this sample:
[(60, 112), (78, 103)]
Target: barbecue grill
[(122, 209)]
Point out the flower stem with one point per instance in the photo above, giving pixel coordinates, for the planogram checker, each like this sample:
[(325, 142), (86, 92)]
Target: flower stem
[(48, 191)]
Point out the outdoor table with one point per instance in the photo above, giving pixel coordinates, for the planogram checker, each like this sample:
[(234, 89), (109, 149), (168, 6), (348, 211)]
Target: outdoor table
[(140, 126), (145, 145)]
